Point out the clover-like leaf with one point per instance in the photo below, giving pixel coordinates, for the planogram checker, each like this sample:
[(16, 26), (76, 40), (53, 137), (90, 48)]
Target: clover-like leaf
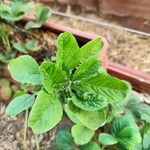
[(81, 134), (64, 141), (125, 130), (138, 108)]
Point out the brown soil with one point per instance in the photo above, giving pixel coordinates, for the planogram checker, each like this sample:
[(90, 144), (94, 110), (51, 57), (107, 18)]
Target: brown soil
[(11, 133), (126, 48)]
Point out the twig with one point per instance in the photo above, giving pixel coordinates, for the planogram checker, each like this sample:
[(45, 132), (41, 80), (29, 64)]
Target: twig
[(25, 130), (37, 142)]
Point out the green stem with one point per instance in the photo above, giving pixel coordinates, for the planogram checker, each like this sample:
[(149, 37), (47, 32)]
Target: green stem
[(25, 131), (103, 147), (37, 142), (4, 42), (8, 44)]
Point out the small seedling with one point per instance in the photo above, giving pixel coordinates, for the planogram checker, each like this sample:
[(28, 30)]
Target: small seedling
[(9, 15), (15, 11), (42, 13)]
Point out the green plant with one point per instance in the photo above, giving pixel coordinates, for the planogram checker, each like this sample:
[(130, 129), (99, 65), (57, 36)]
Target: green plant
[(41, 13), (65, 141), (9, 15), (29, 46), (78, 85), (4, 36), (15, 11)]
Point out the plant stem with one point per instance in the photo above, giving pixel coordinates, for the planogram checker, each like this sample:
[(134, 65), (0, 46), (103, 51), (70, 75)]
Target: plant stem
[(103, 147), (4, 42), (25, 131), (37, 142), (8, 44)]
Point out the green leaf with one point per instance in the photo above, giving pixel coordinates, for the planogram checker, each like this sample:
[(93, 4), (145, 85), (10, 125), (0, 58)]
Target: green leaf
[(98, 117), (125, 130), (107, 139), (20, 47), (42, 13), (68, 54), (52, 74), (64, 141), (138, 147), (89, 102), (109, 87), (145, 129), (87, 69), (129, 137), (19, 104), (92, 48), (15, 11), (32, 45), (24, 69), (5, 12), (46, 112), (138, 108), (86, 98), (81, 134), (32, 25), (121, 123), (146, 141), (90, 146), (71, 116), (19, 8)]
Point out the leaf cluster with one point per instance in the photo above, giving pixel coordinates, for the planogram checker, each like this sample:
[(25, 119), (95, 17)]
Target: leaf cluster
[(15, 11), (77, 86)]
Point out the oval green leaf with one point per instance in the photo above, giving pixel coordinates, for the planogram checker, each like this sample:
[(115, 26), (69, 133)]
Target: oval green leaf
[(46, 112), (25, 69), (19, 104), (81, 134)]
